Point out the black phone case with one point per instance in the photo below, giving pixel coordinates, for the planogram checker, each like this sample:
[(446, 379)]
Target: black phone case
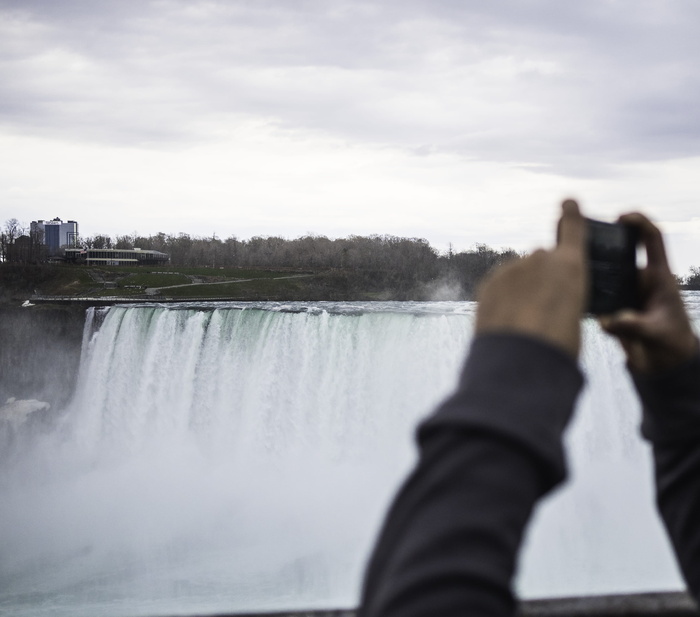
[(612, 259)]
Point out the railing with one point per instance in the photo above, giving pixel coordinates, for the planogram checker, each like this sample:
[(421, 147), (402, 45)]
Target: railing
[(674, 604), (628, 605)]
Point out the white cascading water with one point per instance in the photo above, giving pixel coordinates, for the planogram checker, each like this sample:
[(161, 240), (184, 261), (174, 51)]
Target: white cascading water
[(240, 458)]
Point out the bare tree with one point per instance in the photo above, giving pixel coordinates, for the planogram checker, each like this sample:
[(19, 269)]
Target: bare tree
[(98, 241), (12, 230), (125, 242), (693, 279)]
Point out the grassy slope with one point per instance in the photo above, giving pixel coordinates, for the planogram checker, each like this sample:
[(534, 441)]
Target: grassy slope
[(21, 282)]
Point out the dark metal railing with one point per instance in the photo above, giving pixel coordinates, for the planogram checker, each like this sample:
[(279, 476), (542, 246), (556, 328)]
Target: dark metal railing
[(628, 605), (667, 604)]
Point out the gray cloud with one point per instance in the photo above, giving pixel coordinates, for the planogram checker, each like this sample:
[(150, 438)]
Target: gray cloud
[(573, 87)]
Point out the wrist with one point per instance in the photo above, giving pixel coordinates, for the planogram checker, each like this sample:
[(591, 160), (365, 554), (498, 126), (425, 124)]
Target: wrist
[(671, 401)]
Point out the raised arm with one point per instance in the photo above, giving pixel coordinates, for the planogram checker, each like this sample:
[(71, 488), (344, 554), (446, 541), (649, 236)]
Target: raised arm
[(662, 355), (450, 542)]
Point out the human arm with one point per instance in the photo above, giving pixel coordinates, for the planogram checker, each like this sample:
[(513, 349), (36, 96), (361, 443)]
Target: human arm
[(662, 356), (450, 542), (671, 422)]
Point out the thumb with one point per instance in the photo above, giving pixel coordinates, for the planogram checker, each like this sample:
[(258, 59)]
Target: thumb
[(572, 229)]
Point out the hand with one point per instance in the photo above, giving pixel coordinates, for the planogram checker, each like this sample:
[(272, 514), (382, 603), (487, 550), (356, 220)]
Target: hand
[(659, 336), (544, 294)]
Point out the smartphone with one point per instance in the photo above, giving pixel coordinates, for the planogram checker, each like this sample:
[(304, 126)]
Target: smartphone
[(612, 264)]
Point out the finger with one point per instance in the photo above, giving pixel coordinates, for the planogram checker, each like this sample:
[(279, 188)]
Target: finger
[(651, 237), (635, 352), (571, 232), (625, 322), (634, 330)]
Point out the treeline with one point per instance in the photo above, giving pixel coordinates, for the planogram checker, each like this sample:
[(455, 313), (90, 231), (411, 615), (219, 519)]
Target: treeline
[(410, 259), (400, 264), (692, 281), (408, 267), (19, 245)]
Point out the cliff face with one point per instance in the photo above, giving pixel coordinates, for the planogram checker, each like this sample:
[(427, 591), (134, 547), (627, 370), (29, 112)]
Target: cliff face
[(40, 352)]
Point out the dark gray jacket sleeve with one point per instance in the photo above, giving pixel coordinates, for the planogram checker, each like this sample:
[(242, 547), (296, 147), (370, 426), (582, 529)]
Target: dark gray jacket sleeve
[(450, 540), (671, 422)]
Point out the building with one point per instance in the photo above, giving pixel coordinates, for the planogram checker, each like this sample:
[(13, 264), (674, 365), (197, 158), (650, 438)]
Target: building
[(56, 234), (116, 257)]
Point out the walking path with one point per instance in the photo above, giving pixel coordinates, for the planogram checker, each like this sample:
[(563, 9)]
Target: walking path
[(153, 291)]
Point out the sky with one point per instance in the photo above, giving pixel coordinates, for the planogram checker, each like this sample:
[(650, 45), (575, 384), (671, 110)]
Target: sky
[(460, 122)]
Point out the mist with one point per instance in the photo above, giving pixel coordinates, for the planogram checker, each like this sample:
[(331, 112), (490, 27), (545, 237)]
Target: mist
[(241, 457)]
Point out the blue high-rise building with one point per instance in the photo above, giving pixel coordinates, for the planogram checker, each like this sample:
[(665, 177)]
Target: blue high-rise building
[(56, 233)]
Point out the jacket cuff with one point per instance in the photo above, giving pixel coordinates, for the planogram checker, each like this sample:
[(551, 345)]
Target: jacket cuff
[(671, 403), (519, 388)]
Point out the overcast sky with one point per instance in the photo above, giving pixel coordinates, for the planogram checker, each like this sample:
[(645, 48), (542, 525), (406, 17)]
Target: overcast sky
[(452, 120)]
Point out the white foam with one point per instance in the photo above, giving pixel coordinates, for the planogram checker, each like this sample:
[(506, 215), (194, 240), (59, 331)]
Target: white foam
[(241, 459)]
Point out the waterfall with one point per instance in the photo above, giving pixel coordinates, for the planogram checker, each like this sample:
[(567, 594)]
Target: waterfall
[(240, 457)]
